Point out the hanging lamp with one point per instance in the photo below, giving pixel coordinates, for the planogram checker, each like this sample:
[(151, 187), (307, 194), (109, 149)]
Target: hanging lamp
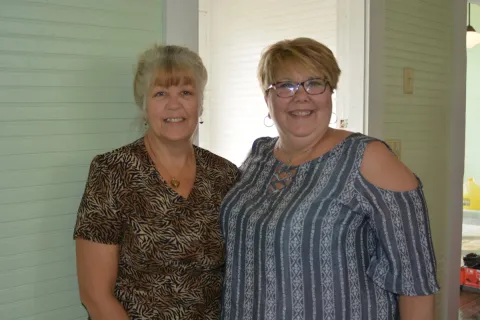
[(473, 37)]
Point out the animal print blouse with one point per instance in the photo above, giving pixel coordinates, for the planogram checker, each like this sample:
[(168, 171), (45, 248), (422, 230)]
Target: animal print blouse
[(171, 250)]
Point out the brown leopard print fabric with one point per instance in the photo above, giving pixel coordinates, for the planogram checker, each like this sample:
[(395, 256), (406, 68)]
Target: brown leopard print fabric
[(171, 249)]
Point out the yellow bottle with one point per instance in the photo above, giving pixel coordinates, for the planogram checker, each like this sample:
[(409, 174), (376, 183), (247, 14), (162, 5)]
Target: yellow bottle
[(471, 195)]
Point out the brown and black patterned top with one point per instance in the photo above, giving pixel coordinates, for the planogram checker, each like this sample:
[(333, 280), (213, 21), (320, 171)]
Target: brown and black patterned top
[(171, 249)]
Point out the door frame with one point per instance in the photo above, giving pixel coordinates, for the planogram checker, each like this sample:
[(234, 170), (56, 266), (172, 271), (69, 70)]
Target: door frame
[(456, 156), (180, 27), (354, 40)]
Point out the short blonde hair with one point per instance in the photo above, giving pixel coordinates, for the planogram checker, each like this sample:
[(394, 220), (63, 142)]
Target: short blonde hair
[(168, 65), (311, 54)]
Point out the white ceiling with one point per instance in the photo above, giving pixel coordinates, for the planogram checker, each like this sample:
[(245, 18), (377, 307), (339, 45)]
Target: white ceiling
[(475, 1)]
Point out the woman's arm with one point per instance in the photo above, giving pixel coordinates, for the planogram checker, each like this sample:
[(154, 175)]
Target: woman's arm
[(417, 308), (97, 266), (382, 168)]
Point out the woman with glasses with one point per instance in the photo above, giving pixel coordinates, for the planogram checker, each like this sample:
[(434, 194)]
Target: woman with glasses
[(324, 223)]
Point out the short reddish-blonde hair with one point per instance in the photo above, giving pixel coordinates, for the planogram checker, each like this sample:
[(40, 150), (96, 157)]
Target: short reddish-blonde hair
[(306, 52)]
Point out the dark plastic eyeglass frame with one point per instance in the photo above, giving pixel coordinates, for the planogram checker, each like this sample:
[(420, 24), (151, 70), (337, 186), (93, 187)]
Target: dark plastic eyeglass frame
[(297, 86)]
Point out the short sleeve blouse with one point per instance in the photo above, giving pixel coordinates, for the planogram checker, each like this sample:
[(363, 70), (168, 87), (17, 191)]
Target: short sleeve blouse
[(171, 249), (98, 218), (322, 243)]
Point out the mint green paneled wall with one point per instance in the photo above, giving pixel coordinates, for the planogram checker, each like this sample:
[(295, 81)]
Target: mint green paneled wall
[(65, 95), (472, 133)]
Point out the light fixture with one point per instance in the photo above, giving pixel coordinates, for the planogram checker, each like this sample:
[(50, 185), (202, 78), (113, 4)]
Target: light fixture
[(473, 37)]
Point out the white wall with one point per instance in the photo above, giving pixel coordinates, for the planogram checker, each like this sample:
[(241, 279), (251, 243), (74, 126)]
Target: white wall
[(240, 30), (180, 19)]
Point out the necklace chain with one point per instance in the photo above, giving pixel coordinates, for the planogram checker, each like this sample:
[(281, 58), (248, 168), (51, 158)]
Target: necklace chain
[(290, 159), (174, 182)]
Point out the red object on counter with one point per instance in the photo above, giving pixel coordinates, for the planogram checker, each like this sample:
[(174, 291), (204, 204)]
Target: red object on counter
[(470, 277)]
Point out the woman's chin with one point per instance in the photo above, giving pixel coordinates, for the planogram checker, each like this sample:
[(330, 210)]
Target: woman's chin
[(304, 132)]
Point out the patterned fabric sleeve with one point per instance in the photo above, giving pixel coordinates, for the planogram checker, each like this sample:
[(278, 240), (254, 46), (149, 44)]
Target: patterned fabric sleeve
[(97, 218), (403, 260)]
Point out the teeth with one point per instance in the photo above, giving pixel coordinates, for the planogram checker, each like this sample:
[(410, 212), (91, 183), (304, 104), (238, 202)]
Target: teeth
[(174, 119), (301, 113)]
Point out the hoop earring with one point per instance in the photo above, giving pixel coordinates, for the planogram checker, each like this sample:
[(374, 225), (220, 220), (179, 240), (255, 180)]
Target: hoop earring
[(265, 121), (201, 120), (333, 114)]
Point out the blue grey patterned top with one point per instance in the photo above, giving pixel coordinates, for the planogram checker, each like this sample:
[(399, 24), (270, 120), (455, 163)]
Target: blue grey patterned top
[(328, 245)]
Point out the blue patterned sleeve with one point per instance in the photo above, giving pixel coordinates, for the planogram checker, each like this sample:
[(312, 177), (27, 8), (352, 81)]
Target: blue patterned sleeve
[(403, 260)]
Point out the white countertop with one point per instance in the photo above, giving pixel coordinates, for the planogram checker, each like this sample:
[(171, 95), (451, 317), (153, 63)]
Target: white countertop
[(465, 211)]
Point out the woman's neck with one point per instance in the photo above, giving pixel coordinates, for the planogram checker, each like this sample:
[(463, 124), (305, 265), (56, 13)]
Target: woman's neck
[(293, 146), (172, 154)]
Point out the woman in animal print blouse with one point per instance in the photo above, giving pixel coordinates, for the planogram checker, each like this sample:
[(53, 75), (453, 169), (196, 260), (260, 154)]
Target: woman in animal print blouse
[(147, 233)]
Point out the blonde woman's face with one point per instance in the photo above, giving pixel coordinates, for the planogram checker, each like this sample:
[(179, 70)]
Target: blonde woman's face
[(173, 108), (303, 114)]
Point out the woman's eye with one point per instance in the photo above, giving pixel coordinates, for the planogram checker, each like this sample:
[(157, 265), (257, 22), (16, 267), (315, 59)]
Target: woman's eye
[(159, 94), (187, 93)]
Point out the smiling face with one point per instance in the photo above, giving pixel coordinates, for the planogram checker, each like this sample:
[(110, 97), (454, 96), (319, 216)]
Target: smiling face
[(303, 115), (172, 106)]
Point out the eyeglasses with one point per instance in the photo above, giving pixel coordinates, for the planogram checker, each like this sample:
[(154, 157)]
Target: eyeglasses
[(285, 89)]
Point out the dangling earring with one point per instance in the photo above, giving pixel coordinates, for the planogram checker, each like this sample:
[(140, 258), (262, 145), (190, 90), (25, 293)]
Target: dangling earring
[(201, 120), (265, 121), (145, 124)]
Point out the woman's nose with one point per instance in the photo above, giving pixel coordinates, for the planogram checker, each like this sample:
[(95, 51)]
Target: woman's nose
[(301, 93)]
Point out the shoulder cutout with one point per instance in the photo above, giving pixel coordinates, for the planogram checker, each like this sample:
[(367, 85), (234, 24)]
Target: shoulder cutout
[(383, 169)]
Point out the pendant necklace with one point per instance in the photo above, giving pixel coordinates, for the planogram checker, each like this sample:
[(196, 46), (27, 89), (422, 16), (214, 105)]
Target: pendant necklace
[(174, 182)]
